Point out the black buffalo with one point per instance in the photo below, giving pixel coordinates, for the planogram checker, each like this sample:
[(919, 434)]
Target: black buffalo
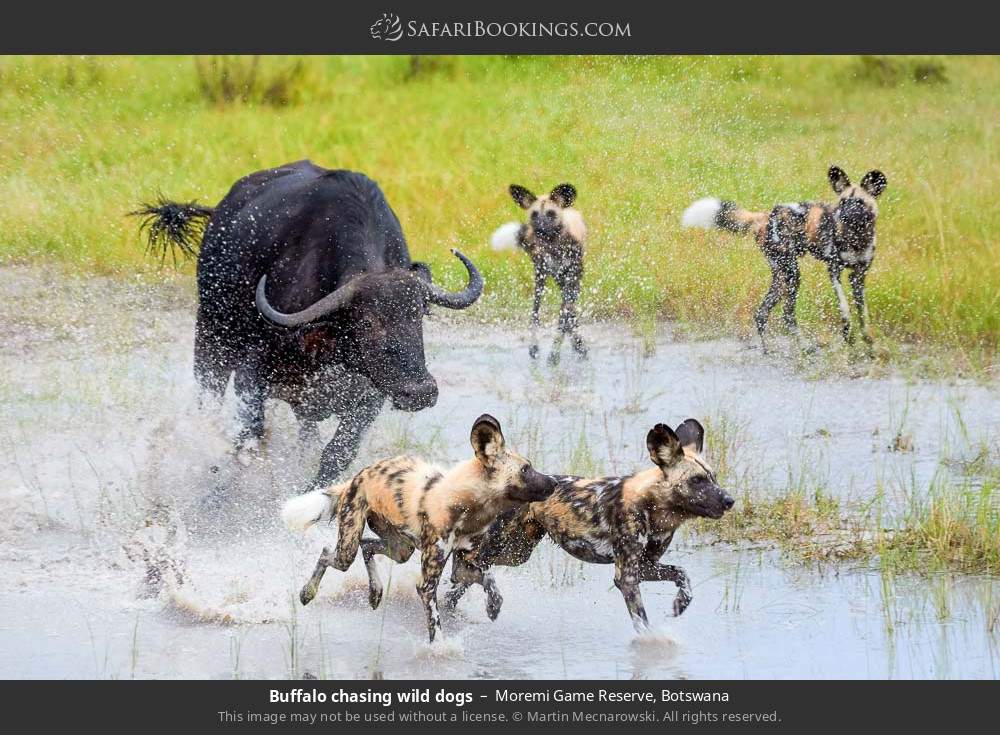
[(306, 293)]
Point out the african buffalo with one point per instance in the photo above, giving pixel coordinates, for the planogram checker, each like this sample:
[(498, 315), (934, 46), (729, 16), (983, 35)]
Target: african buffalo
[(306, 293)]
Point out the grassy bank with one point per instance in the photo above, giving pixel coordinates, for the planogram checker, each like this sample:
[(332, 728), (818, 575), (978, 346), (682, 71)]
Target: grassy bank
[(82, 139)]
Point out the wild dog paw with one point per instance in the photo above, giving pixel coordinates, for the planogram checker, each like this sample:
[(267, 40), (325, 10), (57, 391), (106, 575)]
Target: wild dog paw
[(681, 603), (579, 347), (374, 596), (307, 594)]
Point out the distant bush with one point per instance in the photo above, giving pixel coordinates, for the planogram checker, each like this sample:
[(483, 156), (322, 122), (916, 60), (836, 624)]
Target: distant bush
[(239, 79), (890, 71)]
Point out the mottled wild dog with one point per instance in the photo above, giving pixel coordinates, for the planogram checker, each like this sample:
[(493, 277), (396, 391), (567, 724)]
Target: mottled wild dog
[(410, 504), (626, 521), (553, 237), (842, 235)]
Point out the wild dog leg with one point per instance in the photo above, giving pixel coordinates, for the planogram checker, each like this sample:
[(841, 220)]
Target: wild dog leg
[(770, 301), (351, 517), (628, 575), (392, 544), (309, 590), (857, 281), (431, 565), (792, 279), (536, 306), (508, 542), (651, 571), (845, 311)]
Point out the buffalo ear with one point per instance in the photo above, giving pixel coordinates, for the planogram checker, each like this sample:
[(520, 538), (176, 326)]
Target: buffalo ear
[(664, 446), (422, 271), (691, 434), (838, 179), (564, 195), (487, 439), (874, 182), (522, 196)]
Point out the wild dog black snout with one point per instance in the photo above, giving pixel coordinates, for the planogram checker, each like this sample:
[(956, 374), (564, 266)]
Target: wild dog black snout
[(533, 486)]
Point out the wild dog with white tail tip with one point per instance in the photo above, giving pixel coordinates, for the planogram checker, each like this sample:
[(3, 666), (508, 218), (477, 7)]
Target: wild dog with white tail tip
[(553, 237), (842, 235), (411, 504), (626, 521)]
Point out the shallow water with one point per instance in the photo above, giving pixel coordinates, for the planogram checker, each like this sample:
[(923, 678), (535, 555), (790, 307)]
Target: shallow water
[(101, 450)]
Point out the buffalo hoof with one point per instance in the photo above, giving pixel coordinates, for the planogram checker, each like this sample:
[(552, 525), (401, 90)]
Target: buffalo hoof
[(681, 603), (533, 352), (554, 358)]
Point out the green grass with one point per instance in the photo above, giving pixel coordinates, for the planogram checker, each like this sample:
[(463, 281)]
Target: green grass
[(83, 139), (951, 525)]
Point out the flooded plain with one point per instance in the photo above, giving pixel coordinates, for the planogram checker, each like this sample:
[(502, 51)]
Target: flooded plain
[(105, 463)]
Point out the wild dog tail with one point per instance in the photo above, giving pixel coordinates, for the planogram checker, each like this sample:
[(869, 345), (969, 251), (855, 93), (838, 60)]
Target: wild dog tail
[(171, 226), (711, 213), (303, 511), (506, 236)]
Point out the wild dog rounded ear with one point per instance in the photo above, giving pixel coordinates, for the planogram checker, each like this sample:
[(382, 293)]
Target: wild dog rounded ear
[(564, 195), (487, 438), (664, 446), (691, 434), (522, 196), (874, 182), (838, 179)]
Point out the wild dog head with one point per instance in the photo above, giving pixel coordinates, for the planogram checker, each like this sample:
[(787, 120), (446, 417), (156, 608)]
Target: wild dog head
[(687, 476), (546, 215), (508, 474), (856, 210)]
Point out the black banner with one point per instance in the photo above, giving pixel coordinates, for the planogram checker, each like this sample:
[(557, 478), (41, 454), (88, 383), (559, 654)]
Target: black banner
[(445, 706), (447, 26)]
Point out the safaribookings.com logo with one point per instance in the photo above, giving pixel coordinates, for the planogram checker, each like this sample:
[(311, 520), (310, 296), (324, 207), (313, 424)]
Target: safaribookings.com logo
[(390, 28), (387, 28)]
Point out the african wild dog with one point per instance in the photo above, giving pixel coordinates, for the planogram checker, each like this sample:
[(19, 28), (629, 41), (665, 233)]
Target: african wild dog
[(842, 235), (411, 504), (553, 238), (628, 521)]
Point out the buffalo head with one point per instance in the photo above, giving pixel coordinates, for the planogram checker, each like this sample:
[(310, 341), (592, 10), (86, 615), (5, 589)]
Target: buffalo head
[(373, 325)]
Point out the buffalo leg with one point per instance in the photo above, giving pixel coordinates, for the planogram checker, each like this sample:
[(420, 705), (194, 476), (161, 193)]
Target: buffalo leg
[(211, 369), (250, 391), (343, 447)]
